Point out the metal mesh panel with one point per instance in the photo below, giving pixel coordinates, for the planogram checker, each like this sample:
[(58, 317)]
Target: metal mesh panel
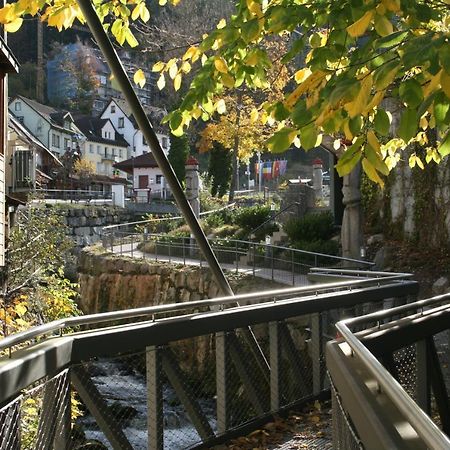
[(405, 368), (344, 435), (9, 429)]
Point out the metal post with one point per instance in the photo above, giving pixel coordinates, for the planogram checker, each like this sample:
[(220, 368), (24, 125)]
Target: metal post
[(222, 382), (154, 399), (254, 259), (316, 352), (184, 251), (145, 126), (170, 256), (271, 258), (236, 256), (156, 248), (275, 353), (132, 244), (293, 267)]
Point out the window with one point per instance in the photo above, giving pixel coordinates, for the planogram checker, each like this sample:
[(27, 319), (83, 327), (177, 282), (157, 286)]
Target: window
[(113, 151), (144, 142), (66, 143), (20, 119), (121, 122), (120, 153), (106, 151), (99, 150), (102, 80), (113, 109), (164, 142), (91, 148), (158, 179), (55, 140), (17, 106)]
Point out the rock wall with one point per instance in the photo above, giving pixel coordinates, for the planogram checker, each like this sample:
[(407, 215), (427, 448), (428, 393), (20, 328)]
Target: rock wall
[(86, 222), (109, 283)]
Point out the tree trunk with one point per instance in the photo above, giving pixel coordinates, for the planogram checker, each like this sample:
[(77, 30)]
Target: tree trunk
[(351, 233)]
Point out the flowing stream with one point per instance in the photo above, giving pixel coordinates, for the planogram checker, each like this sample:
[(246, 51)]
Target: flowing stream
[(124, 390)]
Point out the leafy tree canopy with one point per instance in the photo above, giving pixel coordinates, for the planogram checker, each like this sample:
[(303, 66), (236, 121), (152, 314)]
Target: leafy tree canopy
[(347, 56)]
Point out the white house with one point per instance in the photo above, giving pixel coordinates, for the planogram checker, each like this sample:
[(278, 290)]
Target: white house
[(33, 166), (147, 176), (120, 115), (103, 144), (55, 129)]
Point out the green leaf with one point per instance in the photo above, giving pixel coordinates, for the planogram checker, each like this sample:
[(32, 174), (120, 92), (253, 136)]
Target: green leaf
[(301, 115), (441, 108), (444, 148), (376, 160), (175, 120), (444, 57), (308, 136), (411, 92), (350, 158), (281, 140), (250, 30), (355, 125), (385, 74), (408, 125), (382, 123), (390, 40)]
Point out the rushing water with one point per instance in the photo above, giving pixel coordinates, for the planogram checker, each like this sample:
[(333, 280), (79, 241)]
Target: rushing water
[(124, 390)]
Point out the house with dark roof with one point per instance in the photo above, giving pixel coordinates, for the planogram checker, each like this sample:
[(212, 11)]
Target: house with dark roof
[(54, 128), (32, 165), (147, 176), (118, 111), (102, 145)]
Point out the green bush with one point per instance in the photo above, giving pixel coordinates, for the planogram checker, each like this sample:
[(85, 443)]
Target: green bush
[(312, 227), (329, 247), (252, 217)]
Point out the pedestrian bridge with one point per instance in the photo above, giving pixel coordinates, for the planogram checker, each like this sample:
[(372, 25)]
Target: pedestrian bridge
[(196, 375)]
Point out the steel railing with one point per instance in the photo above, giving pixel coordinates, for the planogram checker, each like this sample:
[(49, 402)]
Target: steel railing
[(381, 369), (136, 373), (76, 196)]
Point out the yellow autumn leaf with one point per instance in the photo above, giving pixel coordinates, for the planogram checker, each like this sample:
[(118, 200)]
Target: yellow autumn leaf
[(191, 53), (222, 24), (145, 13), (302, 74), (254, 8), (177, 82), (228, 80), (391, 5), (13, 26), (221, 107), (445, 83), (357, 106), (347, 132), (136, 11), (433, 84), (20, 309), (383, 26), (185, 67), (173, 70), (373, 141), (162, 2), (221, 65), (376, 99), (139, 78), (371, 172), (161, 82), (360, 26), (157, 67)]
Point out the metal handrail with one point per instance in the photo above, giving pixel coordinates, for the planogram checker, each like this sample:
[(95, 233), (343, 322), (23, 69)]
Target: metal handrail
[(254, 297), (251, 244), (433, 437), (165, 219)]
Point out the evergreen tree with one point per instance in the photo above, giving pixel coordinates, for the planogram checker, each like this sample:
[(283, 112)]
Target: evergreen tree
[(178, 153), (219, 169)]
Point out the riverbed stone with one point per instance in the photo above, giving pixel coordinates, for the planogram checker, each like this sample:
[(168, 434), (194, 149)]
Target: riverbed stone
[(440, 286)]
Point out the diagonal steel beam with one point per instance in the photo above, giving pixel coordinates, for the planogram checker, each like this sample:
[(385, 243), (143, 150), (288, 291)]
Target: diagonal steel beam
[(145, 126)]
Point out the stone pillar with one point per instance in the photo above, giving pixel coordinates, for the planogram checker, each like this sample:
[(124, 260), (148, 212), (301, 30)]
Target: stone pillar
[(317, 178), (192, 185), (352, 236)]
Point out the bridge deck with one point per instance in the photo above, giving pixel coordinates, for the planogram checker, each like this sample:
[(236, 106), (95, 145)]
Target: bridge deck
[(280, 276)]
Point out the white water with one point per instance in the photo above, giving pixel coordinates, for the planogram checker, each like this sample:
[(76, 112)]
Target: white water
[(122, 385)]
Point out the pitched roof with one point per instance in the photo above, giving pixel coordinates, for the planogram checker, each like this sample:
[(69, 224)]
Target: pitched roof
[(22, 131), (92, 127), (145, 160), (155, 114), (51, 115), (8, 62)]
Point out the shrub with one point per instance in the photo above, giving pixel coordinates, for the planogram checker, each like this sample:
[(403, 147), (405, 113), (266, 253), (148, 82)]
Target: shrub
[(312, 227), (329, 247), (252, 217)]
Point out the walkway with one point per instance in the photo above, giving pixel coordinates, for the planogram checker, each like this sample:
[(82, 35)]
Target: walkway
[(280, 276)]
